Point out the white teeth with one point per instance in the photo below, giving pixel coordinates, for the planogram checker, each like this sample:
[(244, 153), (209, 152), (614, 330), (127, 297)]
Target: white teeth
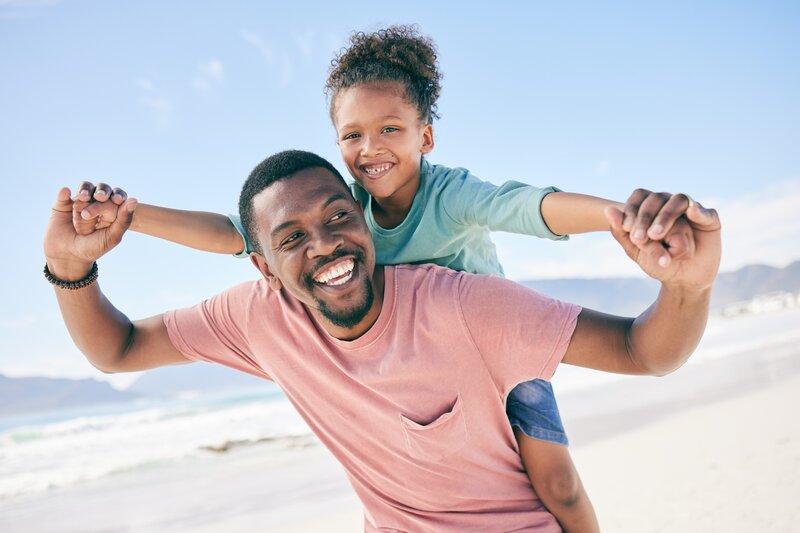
[(340, 269), (377, 169)]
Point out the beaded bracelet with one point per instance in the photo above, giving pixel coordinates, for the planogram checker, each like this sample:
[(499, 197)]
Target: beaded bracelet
[(90, 278)]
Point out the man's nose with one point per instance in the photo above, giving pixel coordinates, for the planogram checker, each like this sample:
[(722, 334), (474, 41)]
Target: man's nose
[(325, 242)]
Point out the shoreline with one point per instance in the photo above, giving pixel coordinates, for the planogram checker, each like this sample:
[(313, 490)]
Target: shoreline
[(654, 454)]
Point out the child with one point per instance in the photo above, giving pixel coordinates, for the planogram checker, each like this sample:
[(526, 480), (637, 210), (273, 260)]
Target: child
[(383, 91)]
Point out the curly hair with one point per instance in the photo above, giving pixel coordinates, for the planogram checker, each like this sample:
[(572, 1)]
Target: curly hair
[(397, 54)]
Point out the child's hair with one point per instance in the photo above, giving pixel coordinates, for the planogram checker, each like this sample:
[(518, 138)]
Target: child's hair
[(397, 54)]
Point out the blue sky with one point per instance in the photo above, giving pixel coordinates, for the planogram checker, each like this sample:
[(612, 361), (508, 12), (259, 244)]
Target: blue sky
[(177, 101)]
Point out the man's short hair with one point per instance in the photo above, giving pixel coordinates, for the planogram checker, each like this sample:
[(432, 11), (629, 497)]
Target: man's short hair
[(276, 167)]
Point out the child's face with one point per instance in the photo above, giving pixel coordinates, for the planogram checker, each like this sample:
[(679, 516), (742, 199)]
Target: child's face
[(382, 140)]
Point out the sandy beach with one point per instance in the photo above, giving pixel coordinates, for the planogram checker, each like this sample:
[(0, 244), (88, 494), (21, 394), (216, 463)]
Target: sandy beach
[(713, 447)]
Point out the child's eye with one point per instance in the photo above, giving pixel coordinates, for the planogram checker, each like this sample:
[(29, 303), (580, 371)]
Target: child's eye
[(389, 129), (350, 136)]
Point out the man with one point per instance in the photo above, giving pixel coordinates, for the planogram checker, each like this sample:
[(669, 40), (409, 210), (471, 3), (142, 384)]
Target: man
[(401, 371)]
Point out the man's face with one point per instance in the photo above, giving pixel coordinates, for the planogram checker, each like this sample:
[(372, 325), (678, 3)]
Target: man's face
[(317, 246)]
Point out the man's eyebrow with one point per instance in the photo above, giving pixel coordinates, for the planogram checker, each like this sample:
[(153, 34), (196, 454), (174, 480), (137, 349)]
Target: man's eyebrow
[(333, 198)]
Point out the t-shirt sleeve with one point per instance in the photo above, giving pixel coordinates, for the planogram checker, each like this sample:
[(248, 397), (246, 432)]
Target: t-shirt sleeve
[(237, 223), (214, 331), (520, 333), (513, 207)]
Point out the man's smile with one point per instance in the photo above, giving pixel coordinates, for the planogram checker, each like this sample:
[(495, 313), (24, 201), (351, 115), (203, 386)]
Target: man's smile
[(337, 273)]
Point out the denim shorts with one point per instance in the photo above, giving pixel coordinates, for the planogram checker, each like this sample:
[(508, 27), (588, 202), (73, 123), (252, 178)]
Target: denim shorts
[(531, 406)]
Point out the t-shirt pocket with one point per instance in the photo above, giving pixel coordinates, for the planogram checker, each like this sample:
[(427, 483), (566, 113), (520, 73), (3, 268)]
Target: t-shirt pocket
[(442, 437)]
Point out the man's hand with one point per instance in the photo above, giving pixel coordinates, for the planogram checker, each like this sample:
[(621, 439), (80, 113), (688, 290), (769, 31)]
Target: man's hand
[(673, 239), (72, 243), (98, 206)]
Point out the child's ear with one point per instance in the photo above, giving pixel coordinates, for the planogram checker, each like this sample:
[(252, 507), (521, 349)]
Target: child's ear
[(427, 139), (261, 264)]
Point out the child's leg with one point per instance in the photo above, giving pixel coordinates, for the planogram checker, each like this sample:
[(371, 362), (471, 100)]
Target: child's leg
[(533, 413)]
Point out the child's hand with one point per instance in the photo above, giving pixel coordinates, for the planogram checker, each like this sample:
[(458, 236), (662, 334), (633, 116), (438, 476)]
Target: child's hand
[(688, 253), (651, 215), (97, 206)]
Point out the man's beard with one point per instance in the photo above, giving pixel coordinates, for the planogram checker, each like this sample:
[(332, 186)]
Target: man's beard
[(352, 316)]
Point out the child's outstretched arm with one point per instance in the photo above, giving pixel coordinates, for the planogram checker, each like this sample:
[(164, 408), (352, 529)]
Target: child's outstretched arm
[(647, 216), (210, 232), (568, 213)]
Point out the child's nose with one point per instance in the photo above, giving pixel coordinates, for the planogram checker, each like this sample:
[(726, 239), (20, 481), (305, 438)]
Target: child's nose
[(371, 145)]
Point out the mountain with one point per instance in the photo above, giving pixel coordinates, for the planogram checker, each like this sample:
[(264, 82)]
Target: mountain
[(630, 296), (25, 395), (196, 377), (754, 280)]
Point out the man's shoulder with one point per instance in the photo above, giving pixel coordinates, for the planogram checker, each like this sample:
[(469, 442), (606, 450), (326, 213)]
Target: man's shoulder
[(247, 294), (433, 274)]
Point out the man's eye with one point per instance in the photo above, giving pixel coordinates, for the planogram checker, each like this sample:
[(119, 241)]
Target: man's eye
[(338, 216), (291, 238)]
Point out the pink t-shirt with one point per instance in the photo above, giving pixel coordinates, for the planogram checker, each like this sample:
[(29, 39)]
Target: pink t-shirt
[(415, 408)]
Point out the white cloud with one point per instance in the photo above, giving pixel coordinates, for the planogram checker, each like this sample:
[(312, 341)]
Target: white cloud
[(757, 227), (152, 99), (279, 62), (602, 167), (208, 74), (304, 42), (256, 41), (762, 226)]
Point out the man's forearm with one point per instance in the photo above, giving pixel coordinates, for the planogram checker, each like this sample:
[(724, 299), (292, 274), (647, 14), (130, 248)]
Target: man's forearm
[(663, 337), (100, 331)]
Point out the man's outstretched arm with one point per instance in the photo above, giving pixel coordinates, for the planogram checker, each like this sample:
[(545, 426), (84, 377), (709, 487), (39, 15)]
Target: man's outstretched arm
[(108, 339), (663, 337)]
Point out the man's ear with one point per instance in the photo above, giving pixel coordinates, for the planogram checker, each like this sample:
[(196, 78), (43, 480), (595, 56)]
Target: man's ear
[(261, 265), (427, 139)]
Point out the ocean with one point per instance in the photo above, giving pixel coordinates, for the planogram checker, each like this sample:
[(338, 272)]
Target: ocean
[(54, 451), (59, 449)]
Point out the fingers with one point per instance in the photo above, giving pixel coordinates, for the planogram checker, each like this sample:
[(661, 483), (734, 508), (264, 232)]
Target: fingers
[(84, 192), (123, 221), (101, 192), (640, 211), (63, 201), (615, 219), (632, 207), (677, 244), (96, 211), (118, 196), (702, 218), (675, 207), (101, 214)]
